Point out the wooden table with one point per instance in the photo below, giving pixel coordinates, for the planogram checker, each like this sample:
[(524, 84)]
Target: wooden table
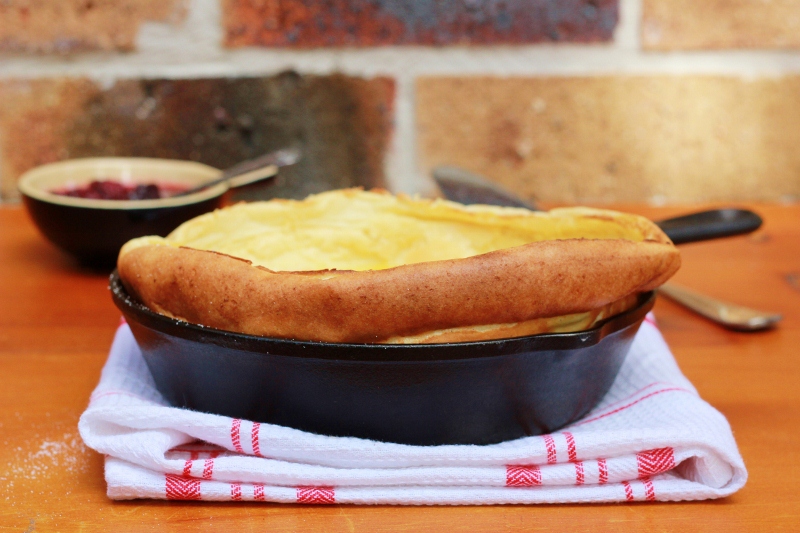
[(57, 321)]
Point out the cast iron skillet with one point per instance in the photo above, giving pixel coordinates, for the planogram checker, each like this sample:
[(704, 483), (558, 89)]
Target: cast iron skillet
[(458, 393)]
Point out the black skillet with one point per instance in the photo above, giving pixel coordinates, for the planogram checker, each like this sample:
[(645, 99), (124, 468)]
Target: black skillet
[(461, 393)]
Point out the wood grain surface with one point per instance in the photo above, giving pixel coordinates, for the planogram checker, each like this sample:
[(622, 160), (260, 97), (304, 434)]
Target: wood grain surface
[(57, 322)]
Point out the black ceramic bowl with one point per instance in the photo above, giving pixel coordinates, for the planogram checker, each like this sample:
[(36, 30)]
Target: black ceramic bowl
[(461, 393), (95, 230)]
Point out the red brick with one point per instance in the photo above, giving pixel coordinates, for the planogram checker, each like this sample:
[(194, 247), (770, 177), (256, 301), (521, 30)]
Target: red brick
[(720, 24), (611, 139), (342, 124), (63, 26), (33, 118), (320, 23)]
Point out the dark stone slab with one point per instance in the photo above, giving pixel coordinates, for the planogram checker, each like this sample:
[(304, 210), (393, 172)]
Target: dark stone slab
[(341, 123)]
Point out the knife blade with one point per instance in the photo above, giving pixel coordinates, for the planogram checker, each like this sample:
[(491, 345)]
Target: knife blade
[(469, 188)]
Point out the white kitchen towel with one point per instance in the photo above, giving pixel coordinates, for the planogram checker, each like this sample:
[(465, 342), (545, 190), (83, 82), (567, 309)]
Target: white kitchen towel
[(651, 438)]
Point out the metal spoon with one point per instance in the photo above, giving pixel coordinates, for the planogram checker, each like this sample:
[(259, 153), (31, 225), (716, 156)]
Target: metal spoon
[(469, 188), (252, 170)]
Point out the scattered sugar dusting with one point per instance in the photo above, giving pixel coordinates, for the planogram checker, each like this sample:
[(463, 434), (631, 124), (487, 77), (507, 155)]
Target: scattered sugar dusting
[(39, 459)]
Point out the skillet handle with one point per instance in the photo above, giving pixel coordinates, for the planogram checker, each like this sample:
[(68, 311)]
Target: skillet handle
[(712, 224)]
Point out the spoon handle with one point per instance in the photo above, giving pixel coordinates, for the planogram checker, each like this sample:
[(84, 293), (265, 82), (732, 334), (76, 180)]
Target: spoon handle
[(260, 167), (252, 170), (727, 314), (252, 176)]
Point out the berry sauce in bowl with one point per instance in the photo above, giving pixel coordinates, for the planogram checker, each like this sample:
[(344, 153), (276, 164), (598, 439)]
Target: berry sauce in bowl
[(91, 207), (107, 189)]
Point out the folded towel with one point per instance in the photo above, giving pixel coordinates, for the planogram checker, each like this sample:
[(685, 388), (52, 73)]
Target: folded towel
[(650, 438)]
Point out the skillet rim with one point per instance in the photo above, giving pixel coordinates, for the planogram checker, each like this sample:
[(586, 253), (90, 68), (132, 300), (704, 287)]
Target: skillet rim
[(137, 312)]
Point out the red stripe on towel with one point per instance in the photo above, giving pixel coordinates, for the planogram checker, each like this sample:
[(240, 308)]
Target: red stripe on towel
[(236, 492), (523, 476), (603, 471), (628, 491), (187, 467), (237, 444), (208, 466), (617, 410), (649, 490), (254, 438), (181, 488), (208, 469), (656, 461), (579, 478), (316, 495), (551, 449), (572, 451)]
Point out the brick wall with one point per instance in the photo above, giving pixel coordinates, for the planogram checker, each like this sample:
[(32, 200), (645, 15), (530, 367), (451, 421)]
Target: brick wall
[(590, 101)]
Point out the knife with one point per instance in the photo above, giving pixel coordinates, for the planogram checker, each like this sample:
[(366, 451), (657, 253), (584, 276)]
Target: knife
[(468, 188)]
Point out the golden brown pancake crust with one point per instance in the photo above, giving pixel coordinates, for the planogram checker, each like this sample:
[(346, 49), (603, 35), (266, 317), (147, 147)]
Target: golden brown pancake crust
[(539, 279)]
